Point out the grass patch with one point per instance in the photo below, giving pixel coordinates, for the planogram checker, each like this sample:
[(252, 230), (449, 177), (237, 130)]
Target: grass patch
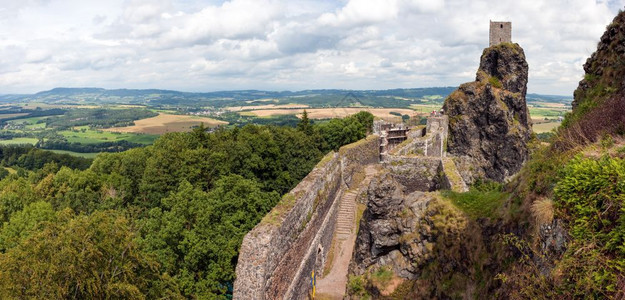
[(367, 139), (360, 210), (542, 211), (325, 160), (477, 203), (451, 172), (494, 81), (274, 217)]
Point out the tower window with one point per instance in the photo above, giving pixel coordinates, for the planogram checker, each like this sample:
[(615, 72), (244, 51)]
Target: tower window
[(500, 25)]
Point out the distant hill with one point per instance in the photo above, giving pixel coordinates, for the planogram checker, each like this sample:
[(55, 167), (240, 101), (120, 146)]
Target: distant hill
[(314, 98)]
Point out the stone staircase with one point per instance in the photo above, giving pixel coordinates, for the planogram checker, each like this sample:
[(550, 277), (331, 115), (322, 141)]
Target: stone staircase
[(332, 286), (346, 215)]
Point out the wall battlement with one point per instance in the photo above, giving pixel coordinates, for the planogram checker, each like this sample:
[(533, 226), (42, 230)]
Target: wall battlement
[(277, 257)]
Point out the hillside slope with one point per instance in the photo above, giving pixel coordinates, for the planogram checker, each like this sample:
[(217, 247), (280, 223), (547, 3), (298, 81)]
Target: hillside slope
[(572, 192)]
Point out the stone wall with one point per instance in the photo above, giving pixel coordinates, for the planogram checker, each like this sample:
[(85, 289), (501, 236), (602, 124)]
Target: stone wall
[(500, 32), (277, 257), (416, 173), (358, 154), (437, 128)]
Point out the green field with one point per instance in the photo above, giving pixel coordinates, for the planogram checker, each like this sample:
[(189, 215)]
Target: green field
[(85, 155), (426, 108), (28, 121), (94, 137), (547, 112), (18, 141)]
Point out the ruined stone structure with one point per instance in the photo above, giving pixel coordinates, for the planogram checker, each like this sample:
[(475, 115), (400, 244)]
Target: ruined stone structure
[(500, 32), (278, 256), (428, 141), (391, 135)]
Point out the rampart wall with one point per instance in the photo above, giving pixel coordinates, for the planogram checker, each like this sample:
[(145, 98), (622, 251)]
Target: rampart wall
[(278, 256), (417, 173)]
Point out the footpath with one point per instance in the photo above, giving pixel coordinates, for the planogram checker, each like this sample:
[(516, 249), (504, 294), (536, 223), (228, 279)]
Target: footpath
[(333, 285)]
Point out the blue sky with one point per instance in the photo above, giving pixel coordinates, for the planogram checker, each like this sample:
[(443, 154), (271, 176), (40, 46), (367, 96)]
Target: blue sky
[(193, 45)]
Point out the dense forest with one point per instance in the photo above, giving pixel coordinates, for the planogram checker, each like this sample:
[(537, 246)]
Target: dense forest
[(163, 221)]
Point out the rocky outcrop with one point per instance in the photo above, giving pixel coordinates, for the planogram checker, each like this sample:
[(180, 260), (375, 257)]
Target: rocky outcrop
[(391, 232), (489, 123), (401, 230), (604, 69)]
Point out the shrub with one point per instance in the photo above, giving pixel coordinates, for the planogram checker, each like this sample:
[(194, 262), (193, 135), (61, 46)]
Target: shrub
[(356, 285), (382, 277), (605, 119), (590, 198)]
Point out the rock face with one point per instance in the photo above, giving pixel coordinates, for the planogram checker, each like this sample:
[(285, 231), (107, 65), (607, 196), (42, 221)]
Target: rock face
[(489, 123), (401, 231), (390, 233), (603, 69)]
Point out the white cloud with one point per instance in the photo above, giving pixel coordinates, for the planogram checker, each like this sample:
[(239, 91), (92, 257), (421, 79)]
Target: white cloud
[(201, 45)]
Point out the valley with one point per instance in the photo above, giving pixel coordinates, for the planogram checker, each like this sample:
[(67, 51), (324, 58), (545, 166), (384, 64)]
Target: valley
[(90, 121)]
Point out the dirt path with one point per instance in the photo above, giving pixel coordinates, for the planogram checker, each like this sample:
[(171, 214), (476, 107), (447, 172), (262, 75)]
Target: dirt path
[(333, 285)]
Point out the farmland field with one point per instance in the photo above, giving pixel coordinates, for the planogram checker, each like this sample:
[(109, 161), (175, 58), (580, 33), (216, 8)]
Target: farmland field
[(164, 123), (93, 137), (424, 109), (29, 121), (18, 141), (326, 113), (545, 127), (7, 116)]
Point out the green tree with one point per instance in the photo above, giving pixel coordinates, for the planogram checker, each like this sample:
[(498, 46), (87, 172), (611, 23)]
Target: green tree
[(196, 235), (304, 124), (82, 257), (23, 223)]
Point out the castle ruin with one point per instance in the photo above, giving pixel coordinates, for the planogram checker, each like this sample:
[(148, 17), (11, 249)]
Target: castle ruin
[(500, 32)]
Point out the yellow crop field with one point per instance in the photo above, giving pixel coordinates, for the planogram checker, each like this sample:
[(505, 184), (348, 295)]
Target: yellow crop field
[(545, 127), (341, 112), (164, 123)]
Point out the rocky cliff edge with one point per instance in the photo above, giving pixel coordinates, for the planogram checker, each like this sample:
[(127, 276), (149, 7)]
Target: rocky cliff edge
[(489, 123)]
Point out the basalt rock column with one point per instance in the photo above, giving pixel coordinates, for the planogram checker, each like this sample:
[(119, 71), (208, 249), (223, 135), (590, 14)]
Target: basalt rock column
[(489, 123)]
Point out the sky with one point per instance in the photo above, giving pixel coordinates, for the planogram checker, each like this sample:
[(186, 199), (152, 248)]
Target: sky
[(210, 45)]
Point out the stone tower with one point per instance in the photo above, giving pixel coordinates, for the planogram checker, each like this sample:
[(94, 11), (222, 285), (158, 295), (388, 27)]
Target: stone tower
[(500, 32)]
